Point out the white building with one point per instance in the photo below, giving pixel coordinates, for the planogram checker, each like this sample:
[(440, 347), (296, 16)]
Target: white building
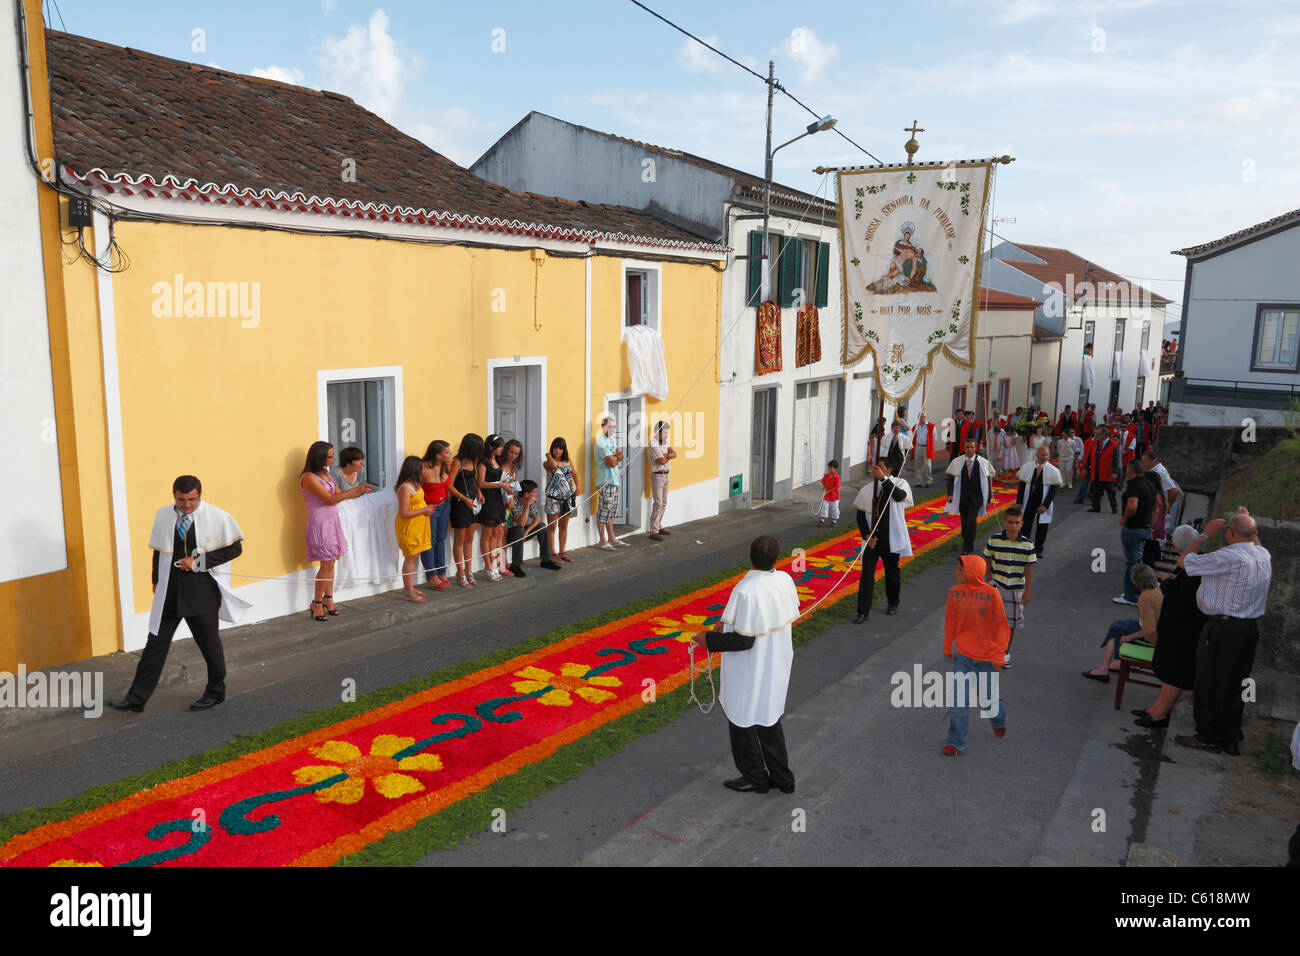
[(776, 430), (1087, 303), (1239, 342)]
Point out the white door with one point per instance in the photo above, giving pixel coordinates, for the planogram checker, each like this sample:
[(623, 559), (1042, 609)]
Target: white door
[(620, 411), (812, 424)]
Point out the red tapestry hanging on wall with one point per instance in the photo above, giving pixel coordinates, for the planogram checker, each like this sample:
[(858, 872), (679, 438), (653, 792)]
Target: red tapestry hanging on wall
[(807, 337), (768, 339)]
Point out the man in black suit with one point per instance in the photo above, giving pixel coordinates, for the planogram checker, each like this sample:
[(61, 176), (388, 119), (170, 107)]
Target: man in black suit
[(969, 491), (880, 509), (206, 538)]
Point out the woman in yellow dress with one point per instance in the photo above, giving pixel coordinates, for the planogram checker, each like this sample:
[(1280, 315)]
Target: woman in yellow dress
[(411, 523)]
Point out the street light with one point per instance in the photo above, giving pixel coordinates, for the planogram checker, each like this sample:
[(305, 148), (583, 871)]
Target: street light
[(825, 123)]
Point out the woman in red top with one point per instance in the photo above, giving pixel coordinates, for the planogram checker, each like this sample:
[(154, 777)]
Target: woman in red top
[(435, 477)]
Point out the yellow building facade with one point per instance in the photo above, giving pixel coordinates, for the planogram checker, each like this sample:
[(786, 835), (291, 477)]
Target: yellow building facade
[(232, 316)]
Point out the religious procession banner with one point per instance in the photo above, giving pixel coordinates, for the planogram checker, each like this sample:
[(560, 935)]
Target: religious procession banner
[(910, 241)]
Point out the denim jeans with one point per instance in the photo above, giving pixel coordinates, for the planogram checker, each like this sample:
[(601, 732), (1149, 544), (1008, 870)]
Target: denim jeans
[(1119, 629), (434, 561), (961, 664), (1083, 491), (1133, 540)]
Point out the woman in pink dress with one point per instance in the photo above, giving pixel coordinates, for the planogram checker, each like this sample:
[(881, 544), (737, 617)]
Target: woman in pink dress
[(324, 532)]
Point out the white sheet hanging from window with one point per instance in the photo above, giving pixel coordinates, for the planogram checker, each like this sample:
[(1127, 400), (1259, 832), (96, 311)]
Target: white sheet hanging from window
[(1117, 366), (645, 361), (1087, 377), (1147, 364)]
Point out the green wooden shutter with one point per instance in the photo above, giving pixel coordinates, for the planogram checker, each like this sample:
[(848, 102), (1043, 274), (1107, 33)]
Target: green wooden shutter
[(790, 270), (755, 284), (823, 273)]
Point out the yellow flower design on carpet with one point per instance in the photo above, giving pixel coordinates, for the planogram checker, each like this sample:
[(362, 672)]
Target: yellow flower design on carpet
[(570, 680), (379, 767), (688, 625), (835, 562)]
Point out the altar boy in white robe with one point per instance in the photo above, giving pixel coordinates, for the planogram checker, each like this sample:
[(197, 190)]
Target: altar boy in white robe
[(204, 537), (754, 633), (1039, 480)]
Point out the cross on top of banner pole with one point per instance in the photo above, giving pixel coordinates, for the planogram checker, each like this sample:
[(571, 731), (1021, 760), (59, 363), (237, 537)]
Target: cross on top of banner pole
[(912, 145)]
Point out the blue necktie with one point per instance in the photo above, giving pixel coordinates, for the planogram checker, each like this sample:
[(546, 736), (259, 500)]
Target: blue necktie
[(183, 526)]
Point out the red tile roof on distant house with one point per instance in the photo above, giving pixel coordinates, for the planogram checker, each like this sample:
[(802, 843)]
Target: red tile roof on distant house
[(994, 299), (1284, 221), (137, 123), (1059, 266)]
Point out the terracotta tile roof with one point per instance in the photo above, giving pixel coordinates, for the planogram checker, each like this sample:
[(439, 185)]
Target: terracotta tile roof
[(142, 123), (1059, 264), (1277, 222), (995, 299)]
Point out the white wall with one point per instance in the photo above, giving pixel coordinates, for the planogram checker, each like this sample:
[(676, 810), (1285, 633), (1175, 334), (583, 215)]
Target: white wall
[(1225, 293), (737, 361), (31, 492)]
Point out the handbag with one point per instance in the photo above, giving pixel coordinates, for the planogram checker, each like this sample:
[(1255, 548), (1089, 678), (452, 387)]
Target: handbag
[(477, 507)]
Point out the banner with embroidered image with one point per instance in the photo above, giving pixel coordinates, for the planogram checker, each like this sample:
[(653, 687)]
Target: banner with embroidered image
[(910, 241)]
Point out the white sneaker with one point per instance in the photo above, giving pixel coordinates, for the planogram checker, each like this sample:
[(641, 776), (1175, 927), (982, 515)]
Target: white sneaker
[(1123, 600), (1006, 661)]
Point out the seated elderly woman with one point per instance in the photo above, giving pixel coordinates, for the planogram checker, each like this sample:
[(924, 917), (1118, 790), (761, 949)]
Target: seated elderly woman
[(1121, 632), (1179, 629)]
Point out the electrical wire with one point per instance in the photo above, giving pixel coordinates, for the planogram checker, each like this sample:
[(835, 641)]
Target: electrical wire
[(776, 84)]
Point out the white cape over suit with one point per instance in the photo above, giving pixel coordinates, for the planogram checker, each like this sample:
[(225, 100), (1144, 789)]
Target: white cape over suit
[(1051, 476), (213, 529), (753, 685), (957, 469), (896, 514)]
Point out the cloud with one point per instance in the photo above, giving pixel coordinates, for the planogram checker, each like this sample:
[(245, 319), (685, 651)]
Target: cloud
[(328, 6), (812, 55), (281, 73), (365, 64), (697, 59)]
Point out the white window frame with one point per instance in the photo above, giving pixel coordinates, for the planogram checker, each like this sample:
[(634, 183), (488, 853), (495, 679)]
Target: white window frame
[(653, 272), (1256, 365), (393, 404)]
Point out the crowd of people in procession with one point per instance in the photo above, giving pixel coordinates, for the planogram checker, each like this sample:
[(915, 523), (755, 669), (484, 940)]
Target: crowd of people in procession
[(1197, 624), (1198, 619)]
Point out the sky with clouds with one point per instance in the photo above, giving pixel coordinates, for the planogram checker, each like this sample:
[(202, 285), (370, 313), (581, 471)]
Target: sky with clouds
[(1138, 126)]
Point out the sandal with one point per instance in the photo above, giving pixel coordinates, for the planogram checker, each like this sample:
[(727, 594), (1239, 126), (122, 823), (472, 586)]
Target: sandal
[(315, 616), (331, 610), (415, 597), (564, 556)]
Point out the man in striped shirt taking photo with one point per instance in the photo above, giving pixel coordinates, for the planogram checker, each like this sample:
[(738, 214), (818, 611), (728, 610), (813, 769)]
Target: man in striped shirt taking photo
[(1233, 595), (1011, 558)]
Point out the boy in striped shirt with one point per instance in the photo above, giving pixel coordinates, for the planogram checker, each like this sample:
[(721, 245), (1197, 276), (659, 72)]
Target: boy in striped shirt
[(1011, 558)]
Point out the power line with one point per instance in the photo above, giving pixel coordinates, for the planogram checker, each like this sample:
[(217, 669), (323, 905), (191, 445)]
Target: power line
[(812, 112)]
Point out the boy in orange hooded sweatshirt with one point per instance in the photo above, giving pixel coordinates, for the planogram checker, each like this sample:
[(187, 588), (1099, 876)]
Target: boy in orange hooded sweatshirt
[(975, 636)]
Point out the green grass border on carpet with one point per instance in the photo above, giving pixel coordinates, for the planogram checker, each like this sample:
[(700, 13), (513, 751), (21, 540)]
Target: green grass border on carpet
[(473, 814)]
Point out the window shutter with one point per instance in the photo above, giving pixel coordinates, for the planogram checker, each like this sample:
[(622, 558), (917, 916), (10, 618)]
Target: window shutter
[(755, 283), (823, 273), (790, 270)]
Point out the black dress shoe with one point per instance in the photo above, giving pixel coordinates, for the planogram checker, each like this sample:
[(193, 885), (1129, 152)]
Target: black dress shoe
[(550, 566), (741, 785), (128, 705), (789, 789), (1232, 749), (206, 702), (860, 619), (1097, 677), (1095, 510), (1139, 712), (1196, 743), (517, 571), (1146, 720), (892, 609)]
